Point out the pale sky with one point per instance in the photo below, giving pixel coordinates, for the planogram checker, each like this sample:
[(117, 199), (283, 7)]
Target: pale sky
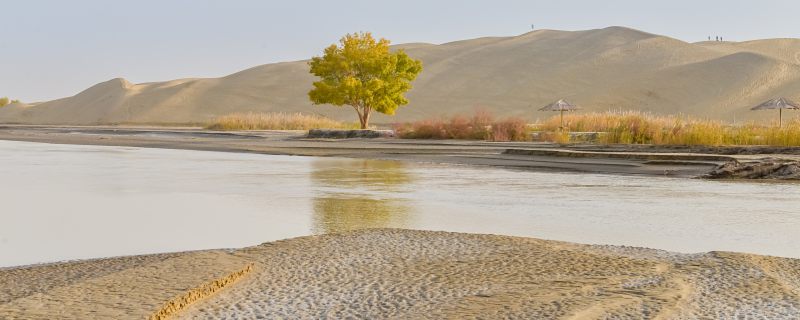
[(52, 49)]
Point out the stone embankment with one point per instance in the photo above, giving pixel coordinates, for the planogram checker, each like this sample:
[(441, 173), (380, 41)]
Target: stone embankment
[(645, 156), (769, 168), (345, 134)]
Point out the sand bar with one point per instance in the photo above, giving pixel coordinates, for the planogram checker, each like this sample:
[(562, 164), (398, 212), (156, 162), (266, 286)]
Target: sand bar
[(393, 273)]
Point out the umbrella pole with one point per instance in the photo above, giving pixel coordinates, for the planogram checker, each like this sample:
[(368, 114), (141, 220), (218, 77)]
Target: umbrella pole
[(780, 118), (562, 120)]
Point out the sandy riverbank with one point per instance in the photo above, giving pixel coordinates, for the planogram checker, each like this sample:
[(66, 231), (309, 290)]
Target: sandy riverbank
[(390, 273), (692, 162)]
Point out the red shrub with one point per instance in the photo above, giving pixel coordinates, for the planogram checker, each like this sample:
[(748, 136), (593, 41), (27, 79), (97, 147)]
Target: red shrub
[(511, 129), (481, 126), (459, 128)]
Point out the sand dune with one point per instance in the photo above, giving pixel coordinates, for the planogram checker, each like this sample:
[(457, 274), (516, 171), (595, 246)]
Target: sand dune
[(611, 68)]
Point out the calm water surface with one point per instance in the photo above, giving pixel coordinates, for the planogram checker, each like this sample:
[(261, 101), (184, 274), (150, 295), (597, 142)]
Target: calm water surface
[(71, 202)]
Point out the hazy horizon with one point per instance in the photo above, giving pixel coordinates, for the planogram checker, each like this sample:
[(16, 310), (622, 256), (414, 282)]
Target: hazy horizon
[(53, 49)]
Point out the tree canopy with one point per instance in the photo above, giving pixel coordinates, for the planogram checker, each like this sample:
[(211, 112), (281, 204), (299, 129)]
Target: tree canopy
[(4, 101), (363, 73)]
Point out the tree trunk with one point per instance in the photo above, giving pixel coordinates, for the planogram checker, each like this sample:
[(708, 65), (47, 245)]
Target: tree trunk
[(365, 120), (362, 119)]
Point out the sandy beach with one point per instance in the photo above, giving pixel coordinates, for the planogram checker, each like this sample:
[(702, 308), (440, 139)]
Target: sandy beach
[(392, 273), (673, 161)]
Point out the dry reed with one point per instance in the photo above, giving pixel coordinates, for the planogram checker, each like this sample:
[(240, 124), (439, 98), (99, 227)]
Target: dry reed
[(276, 121), (633, 127)]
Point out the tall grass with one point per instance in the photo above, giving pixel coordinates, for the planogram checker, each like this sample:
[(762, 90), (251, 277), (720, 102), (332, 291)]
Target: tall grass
[(633, 127), (480, 126), (276, 121)]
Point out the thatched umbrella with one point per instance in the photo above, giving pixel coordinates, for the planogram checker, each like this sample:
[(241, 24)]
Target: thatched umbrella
[(560, 106), (780, 104)]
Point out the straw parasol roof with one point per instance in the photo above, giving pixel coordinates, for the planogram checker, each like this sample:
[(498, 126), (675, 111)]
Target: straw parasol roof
[(560, 105), (780, 104)]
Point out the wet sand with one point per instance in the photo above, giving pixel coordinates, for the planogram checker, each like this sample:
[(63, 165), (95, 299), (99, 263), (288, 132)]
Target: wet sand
[(693, 162), (392, 273)]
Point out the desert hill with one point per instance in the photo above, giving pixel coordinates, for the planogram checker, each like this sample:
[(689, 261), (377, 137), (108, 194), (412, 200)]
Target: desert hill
[(610, 68)]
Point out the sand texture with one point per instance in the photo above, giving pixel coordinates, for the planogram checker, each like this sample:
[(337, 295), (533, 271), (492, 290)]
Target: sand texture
[(602, 69), (402, 274), (118, 288), (406, 274)]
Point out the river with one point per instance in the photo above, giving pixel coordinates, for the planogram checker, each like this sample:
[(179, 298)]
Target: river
[(62, 202)]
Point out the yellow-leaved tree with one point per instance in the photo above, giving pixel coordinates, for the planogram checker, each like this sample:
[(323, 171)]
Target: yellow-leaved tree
[(363, 73)]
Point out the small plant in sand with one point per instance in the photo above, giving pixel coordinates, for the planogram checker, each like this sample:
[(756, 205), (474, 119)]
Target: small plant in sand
[(363, 73), (480, 126), (634, 127), (276, 121)]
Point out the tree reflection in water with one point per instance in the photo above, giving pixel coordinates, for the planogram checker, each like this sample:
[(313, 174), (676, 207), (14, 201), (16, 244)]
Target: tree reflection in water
[(357, 194)]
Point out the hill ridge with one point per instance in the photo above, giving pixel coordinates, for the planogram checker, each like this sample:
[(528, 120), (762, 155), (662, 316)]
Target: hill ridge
[(600, 69)]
